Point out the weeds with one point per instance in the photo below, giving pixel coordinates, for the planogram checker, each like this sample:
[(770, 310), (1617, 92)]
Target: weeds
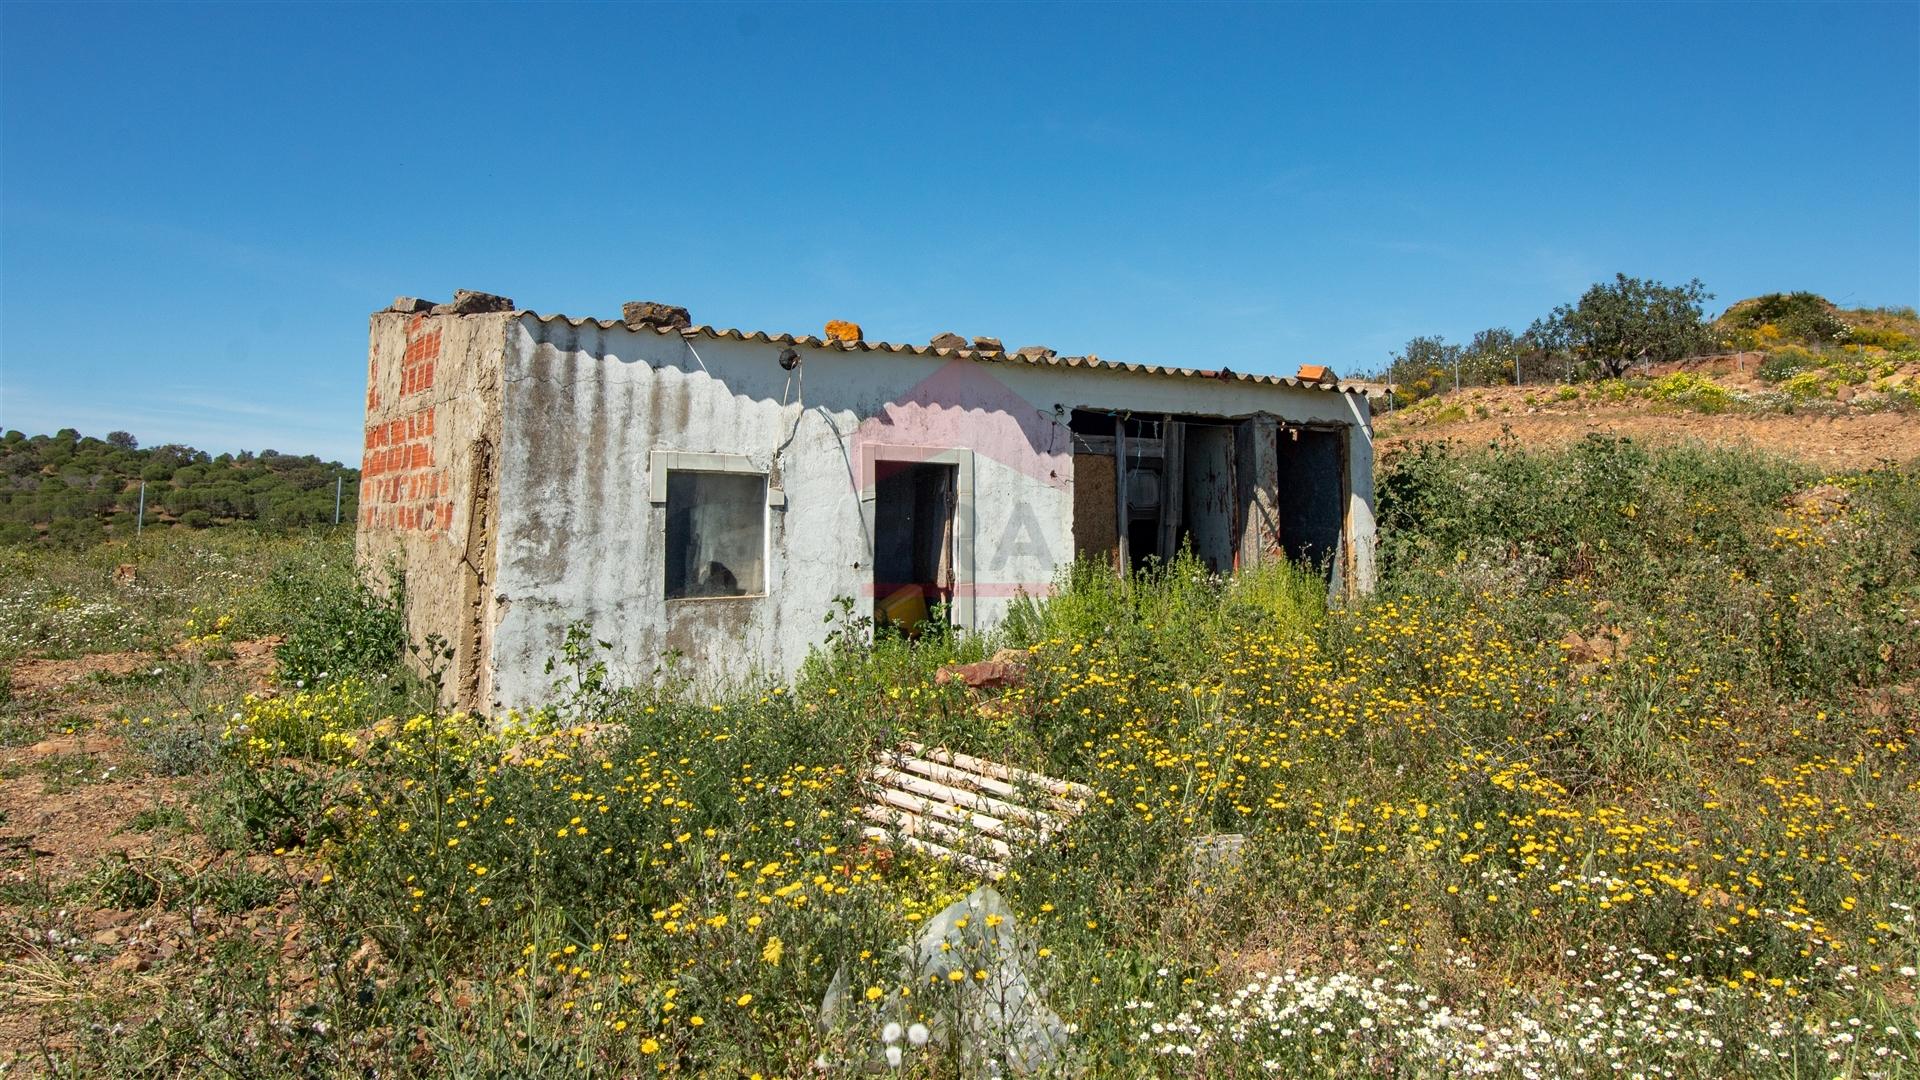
[(121, 881), (162, 818), (340, 626), (1613, 773)]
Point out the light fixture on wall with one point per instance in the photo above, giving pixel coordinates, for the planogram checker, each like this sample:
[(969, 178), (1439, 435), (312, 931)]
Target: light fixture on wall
[(789, 359)]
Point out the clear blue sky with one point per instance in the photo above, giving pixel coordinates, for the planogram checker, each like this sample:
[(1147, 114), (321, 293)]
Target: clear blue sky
[(200, 205)]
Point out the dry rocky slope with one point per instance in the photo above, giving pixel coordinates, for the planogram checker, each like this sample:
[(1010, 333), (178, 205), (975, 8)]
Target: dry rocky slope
[(1839, 433)]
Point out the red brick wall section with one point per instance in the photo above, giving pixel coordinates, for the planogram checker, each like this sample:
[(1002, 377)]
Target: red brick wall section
[(416, 364), (401, 485)]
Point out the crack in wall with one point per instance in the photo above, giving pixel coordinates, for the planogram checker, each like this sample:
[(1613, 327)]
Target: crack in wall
[(477, 555)]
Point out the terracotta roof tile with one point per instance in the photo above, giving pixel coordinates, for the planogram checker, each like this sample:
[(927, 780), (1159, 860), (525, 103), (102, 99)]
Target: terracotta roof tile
[(1088, 362)]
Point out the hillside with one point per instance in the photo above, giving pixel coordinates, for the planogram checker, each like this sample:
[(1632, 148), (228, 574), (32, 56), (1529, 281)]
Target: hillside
[(1804, 318), (67, 488), (1839, 388)]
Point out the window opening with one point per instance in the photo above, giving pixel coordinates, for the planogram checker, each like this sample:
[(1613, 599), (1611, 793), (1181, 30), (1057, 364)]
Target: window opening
[(716, 534)]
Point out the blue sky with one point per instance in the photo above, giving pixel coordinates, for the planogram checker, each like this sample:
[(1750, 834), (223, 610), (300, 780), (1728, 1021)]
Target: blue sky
[(199, 205)]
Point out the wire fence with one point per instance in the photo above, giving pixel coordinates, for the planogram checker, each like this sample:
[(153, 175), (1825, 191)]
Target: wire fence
[(1402, 384)]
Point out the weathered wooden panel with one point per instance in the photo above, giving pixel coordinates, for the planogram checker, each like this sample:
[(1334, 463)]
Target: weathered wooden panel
[(1259, 491), (1094, 531)]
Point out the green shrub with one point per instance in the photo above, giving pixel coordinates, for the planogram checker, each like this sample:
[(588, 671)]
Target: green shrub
[(340, 625), (1879, 337), (116, 880), (1693, 391), (233, 890), (1803, 315), (170, 818), (1784, 363), (270, 808), (182, 747), (121, 881), (1809, 385)]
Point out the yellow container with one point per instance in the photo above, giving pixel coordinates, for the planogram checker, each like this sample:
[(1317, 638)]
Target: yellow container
[(906, 605)]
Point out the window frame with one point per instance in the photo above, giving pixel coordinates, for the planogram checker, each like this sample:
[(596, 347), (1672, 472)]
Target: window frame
[(660, 463)]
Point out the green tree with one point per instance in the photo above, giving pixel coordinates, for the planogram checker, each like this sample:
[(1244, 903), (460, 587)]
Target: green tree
[(1424, 366), (69, 479), (1630, 321), (1490, 359)]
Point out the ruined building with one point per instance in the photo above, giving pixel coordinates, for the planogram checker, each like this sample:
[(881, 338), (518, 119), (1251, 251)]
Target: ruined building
[(704, 497)]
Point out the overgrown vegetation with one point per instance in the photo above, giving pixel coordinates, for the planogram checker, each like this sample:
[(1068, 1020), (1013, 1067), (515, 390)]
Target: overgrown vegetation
[(1614, 773), (67, 488), (1814, 352), (223, 584), (1613, 326)]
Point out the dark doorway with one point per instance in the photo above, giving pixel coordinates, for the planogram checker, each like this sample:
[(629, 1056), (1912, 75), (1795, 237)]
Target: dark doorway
[(913, 511), (1207, 495), (1313, 494)]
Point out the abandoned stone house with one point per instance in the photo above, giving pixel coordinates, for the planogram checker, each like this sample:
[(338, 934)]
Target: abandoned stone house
[(705, 497)]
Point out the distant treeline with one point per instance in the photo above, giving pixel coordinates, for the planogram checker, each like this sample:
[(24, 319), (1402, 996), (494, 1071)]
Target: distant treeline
[(67, 488)]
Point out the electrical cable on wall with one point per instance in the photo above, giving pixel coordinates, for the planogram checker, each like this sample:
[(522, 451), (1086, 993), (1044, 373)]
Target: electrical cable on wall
[(796, 372), (696, 354)]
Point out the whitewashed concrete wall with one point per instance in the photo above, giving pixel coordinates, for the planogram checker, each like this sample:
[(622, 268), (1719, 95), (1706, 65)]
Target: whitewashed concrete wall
[(585, 406)]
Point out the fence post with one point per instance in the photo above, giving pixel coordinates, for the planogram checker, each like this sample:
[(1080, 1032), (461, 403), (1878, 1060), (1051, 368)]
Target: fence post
[(140, 517), (337, 481)]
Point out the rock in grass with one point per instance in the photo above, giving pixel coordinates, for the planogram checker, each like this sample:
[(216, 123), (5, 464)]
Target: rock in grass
[(999, 1024)]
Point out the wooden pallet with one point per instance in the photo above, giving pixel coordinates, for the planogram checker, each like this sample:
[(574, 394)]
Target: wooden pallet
[(975, 812)]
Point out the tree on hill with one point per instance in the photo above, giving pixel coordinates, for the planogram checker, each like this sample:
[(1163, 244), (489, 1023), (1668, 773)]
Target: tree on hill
[(1617, 324), (1491, 358), (70, 489), (1425, 365), (1630, 321), (1430, 364)]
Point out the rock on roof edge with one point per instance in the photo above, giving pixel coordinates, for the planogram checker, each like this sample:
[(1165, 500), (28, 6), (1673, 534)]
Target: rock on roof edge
[(1094, 362)]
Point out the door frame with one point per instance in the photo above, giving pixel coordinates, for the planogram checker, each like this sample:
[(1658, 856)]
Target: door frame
[(961, 458)]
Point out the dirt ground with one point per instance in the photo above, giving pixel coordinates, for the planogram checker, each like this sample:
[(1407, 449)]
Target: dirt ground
[(1831, 436), (74, 797), (1834, 442)]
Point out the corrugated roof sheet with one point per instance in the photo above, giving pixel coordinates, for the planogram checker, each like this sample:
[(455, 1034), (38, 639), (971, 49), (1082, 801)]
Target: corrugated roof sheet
[(1089, 362)]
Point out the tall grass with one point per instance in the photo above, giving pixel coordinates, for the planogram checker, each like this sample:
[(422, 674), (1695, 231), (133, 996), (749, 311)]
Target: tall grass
[(152, 592), (1614, 772)]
